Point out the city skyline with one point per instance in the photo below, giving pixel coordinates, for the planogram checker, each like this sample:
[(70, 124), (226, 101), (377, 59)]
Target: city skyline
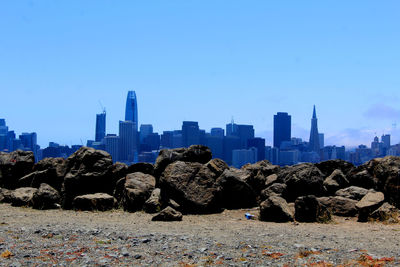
[(201, 61)]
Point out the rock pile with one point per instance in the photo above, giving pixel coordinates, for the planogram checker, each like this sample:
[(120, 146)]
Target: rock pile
[(189, 181)]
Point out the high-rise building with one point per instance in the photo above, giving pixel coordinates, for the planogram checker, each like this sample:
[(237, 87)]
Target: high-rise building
[(321, 140), (241, 157), (230, 143), (167, 139), (145, 130), (128, 141), (314, 136), (190, 133), (216, 144), (111, 142), (131, 111), (258, 143), (100, 126), (386, 141), (282, 128), (217, 132), (244, 132)]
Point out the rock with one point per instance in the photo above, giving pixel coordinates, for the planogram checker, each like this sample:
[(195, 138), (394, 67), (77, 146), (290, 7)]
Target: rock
[(168, 214), (193, 186), (46, 197), (352, 192), (385, 213), (50, 171), (217, 166), (119, 170), (301, 180), (369, 203), (5, 195), (276, 189), (22, 196), (143, 167), (137, 189), (335, 181), (98, 201), (153, 204), (275, 209), (173, 204), (340, 206), (327, 167), (235, 192), (309, 209), (258, 173), (13, 166), (119, 189), (271, 179), (195, 153), (87, 171), (361, 177)]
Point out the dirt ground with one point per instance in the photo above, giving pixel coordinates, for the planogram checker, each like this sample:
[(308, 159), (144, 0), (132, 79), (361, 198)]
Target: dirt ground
[(68, 238)]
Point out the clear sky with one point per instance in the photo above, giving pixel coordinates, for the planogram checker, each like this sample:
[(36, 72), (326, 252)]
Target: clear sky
[(201, 60)]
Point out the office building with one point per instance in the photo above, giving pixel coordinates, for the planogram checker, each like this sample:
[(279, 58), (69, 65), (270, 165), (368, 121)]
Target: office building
[(100, 126), (258, 143), (190, 133), (131, 111), (241, 157), (314, 135), (282, 128), (128, 141), (145, 130), (111, 142)]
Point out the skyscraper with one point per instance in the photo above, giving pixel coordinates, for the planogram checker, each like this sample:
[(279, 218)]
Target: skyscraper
[(131, 111), (190, 133), (282, 128), (314, 136), (127, 141), (100, 126)]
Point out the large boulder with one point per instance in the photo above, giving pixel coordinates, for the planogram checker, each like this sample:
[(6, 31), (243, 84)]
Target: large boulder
[(46, 197), (90, 202), (327, 167), (13, 166), (258, 173), (335, 181), (23, 196), (385, 213), (143, 167), (301, 180), (309, 209), (119, 170), (361, 177), (352, 192), (153, 203), (137, 189), (195, 153), (275, 209), (235, 192), (88, 171), (193, 186), (369, 203), (276, 189), (5, 195), (168, 214), (217, 166), (340, 206), (50, 171)]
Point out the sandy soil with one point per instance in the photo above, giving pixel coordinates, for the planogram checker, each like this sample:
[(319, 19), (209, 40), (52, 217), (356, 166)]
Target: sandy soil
[(30, 237)]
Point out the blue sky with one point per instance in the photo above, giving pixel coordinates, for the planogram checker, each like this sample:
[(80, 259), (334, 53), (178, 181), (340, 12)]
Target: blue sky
[(201, 60)]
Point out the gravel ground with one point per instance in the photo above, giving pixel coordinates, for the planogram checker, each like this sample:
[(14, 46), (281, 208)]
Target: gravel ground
[(43, 238)]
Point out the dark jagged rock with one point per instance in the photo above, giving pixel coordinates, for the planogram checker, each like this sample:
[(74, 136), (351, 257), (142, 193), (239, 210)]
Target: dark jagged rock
[(217, 166), (22, 196), (46, 197), (276, 189), (327, 167), (258, 173), (235, 192), (369, 203), (119, 170), (49, 170), (275, 209), (13, 166), (309, 209), (361, 177), (335, 181), (352, 192), (340, 206), (137, 189), (192, 185), (146, 168), (385, 213), (5, 195), (195, 153), (301, 180), (88, 171), (168, 214), (270, 180), (153, 204), (98, 201)]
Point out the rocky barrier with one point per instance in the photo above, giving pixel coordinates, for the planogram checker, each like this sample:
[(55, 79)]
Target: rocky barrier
[(189, 181)]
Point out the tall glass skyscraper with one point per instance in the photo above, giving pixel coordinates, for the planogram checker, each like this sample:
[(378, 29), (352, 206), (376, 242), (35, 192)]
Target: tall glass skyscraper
[(282, 128), (131, 111), (100, 126), (314, 136)]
